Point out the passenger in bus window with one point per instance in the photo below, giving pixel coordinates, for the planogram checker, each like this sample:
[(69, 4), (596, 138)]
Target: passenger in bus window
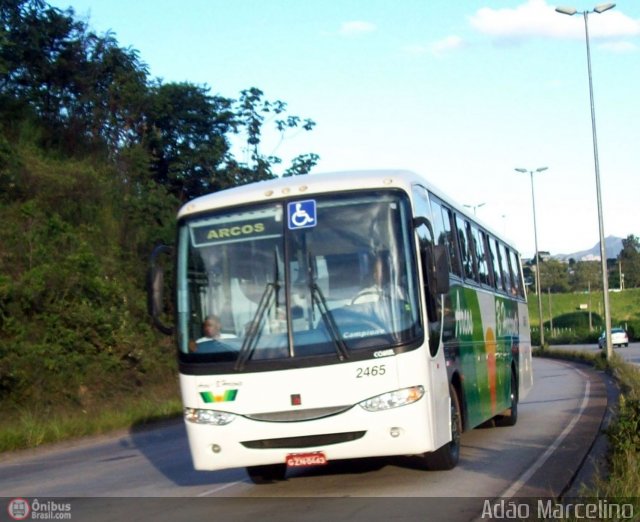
[(213, 337)]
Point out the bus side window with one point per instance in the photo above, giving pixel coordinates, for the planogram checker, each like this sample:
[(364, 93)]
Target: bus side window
[(438, 225), (517, 274), (472, 249), (443, 235), (495, 264), (465, 251), (504, 267), (481, 256), (449, 227)]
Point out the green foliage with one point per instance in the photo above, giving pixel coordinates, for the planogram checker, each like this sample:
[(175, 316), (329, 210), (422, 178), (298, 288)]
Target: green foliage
[(71, 317), (554, 276), (301, 165), (571, 323), (88, 95), (95, 160), (624, 434), (188, 139), (633, 328), (581, 276), (578, 319), (31, 427), (630, 261)]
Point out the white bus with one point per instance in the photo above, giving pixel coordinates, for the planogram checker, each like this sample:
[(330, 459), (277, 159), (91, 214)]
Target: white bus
[(342, 315)]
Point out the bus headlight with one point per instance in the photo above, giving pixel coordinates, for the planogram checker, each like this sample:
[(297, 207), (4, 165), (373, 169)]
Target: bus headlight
[(199, 416), (393, 399)]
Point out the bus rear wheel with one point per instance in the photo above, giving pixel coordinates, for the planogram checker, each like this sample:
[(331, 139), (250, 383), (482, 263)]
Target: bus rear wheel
[(447, 456), (267, 474)]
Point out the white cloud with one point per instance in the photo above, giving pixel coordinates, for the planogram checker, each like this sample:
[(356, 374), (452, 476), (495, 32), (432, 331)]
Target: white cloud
[(527, 19), (537, 18), (450, 43), (437, 48), (620, 47), (357, 28), (416, 49)]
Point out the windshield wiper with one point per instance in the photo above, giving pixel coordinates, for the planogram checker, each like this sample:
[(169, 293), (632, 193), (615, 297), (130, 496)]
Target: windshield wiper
[(327, 316), (252, 335), (317, 297)]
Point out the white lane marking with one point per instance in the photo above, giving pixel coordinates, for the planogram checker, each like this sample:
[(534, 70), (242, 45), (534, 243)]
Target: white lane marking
[(215, 490), (510, 492)]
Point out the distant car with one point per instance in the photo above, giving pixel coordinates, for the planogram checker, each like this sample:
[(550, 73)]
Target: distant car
[(618, 338)]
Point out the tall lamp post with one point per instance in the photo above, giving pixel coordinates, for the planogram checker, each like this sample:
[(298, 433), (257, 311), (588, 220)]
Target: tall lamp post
[(535, 236), (600, 8), (475, 207)]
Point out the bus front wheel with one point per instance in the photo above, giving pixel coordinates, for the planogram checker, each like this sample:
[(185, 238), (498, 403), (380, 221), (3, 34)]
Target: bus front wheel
[(267, 474), (447, 456)]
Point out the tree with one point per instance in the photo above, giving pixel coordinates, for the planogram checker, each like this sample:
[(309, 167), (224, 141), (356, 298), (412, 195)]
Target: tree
[(86, 94), (554, 276), (94, 161), (186, 136), (86, 90), (116, 94), (254, 113), (41, 52), (301, 165), (629, 259), (585, 275)]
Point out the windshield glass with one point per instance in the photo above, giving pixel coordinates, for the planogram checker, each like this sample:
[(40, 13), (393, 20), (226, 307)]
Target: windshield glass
[(330, 277)]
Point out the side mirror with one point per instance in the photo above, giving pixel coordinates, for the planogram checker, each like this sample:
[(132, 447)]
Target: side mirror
[(155, 289), (420, 221), (437, 257)]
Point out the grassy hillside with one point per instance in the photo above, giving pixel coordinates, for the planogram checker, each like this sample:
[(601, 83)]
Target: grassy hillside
[(571, 311)]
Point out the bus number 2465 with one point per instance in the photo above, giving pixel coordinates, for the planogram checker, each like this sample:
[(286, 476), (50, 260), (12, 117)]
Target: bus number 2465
[(371, 371)]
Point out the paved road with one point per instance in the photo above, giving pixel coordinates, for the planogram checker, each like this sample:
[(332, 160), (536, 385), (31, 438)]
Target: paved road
[(557, 424)]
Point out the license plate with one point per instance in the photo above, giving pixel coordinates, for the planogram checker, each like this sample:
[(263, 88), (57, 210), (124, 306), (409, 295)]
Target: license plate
[(297, 460)]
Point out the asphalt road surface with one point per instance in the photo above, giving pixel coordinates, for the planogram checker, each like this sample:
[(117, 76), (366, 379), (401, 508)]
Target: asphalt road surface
[(147, 474)]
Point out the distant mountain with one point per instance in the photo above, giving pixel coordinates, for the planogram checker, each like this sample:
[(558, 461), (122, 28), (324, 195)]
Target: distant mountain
[(613, 246)]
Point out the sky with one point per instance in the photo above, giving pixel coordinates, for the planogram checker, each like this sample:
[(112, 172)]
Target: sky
[(461, 92)]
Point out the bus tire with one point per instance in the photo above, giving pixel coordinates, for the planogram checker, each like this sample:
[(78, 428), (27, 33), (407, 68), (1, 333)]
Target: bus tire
[(267, 474), (510, 416), (447, 456)]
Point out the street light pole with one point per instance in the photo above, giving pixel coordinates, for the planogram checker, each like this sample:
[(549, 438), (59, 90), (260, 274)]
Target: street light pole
[(600, 8), (535, 237), (475, 207)]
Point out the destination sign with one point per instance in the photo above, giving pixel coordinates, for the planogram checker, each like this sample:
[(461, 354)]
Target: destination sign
[(246, 229)]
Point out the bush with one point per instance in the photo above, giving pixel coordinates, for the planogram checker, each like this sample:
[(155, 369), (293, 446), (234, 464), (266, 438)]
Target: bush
[(633, 329), (576, 320), (73, 322), (565, 336)]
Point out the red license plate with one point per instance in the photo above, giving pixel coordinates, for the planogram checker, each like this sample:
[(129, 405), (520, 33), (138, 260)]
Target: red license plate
[(297, 460)]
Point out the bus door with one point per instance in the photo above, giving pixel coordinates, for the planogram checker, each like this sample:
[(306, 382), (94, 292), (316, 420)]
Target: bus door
[(435, 283)]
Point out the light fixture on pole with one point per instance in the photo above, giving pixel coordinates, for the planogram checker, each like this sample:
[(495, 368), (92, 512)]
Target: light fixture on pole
[(600, 8), (475, 207), (535, 237)]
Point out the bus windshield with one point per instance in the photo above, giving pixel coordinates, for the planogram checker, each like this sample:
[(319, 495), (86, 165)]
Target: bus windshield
[(331, 277)]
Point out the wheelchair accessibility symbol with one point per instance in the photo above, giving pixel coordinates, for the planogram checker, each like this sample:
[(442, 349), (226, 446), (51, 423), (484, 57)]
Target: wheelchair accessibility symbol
[(302, 214)]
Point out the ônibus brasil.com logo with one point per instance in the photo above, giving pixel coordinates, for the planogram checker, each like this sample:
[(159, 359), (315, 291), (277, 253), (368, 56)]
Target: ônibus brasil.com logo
[(18, 508), (21, 509)]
